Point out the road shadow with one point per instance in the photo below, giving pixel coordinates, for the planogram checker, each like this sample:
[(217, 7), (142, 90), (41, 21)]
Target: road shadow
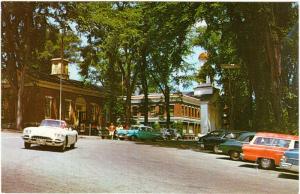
[(249, 166), (48, 148), (182, 145), (224, 158), (288, 176), (283, 172)]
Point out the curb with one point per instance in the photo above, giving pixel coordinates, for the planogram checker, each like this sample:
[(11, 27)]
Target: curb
[(11, 131)]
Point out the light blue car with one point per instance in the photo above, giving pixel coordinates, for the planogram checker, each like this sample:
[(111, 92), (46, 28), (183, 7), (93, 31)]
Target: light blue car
[(138, 132), (290, 160), (131, 133)]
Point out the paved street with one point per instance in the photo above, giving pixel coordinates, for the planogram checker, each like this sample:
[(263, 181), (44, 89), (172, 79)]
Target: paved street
[(123, 166)]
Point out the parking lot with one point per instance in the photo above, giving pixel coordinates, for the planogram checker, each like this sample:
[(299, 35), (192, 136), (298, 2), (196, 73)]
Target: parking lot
[(97, 165)]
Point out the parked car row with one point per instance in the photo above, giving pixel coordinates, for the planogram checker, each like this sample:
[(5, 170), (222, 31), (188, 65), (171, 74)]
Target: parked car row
[(268, 150), (138, 132)]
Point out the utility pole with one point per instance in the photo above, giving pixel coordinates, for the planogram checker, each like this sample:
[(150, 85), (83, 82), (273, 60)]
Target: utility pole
[(61, 71)]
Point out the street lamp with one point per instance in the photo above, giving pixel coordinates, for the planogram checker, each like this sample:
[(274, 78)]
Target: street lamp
[(61, 71), (230, 66)]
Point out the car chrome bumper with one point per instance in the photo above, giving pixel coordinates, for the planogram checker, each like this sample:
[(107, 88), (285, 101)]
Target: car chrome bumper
[(48, 142), (289, 166), (241, 156)]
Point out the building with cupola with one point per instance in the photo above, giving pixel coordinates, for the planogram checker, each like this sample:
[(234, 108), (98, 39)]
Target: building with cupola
[(44, 94)]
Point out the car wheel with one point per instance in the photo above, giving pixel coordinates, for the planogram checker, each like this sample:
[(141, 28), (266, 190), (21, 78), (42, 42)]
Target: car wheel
[(266, 163), (216, 149), (72, 146), (27, 145), (63, 147), (234, 155)]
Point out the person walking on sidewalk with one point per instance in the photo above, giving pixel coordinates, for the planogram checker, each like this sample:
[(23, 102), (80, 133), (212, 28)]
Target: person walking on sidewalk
[(112, 129)]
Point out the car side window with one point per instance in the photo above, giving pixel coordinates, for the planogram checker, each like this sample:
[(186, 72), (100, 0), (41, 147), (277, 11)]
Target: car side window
[(296, 145), (281, 143), (263, 141)]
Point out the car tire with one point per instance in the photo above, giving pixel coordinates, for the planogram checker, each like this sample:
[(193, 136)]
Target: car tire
[(266, 163), (216, 149), (63, 147), (234, 155), (27, 145), (72, 146)]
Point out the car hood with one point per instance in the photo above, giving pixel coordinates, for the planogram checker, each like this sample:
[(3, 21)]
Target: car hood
[(293, 153), (45, 131)]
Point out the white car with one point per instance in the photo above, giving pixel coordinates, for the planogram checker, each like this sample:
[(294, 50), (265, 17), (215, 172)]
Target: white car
[(51, 133)]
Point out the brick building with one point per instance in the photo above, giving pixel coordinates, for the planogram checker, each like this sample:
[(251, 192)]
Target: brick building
[(199, 112), (81, 105), (183, 108)]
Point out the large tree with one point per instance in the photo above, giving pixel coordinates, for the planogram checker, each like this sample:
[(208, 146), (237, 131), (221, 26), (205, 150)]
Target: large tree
[(252, 35), (30, 38), (23, 31)]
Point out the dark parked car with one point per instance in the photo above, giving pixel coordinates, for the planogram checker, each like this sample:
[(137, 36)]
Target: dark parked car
[(103, 133), (212, 140), (233, 147)]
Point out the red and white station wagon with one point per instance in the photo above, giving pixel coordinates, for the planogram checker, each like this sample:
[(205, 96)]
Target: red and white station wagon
[(267, 148)]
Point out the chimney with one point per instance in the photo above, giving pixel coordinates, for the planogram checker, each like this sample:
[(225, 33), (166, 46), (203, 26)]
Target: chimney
[(60, 68)]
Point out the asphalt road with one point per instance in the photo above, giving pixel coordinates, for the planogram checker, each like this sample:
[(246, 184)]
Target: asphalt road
[(123, 166)]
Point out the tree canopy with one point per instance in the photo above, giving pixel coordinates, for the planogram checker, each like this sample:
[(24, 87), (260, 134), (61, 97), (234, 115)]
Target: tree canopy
[(143, 44)]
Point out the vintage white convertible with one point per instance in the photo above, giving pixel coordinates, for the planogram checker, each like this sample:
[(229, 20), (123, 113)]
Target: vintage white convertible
[(51, 133)]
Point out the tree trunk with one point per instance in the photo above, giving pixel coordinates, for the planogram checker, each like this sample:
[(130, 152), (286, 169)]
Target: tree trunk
[(20, 99), (145, 88), (273, 49), (167, 105)]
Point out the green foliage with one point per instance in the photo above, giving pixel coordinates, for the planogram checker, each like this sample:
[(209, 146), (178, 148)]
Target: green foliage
[(156, 126), (251, 34)]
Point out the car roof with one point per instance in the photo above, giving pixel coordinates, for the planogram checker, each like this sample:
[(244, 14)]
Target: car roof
[(277, 135)]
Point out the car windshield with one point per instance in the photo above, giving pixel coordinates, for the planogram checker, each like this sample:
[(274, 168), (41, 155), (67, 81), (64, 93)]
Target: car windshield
[(52, 123), (246, 137)]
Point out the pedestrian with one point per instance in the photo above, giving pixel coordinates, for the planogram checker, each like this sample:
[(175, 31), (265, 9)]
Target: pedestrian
[(112, 129)]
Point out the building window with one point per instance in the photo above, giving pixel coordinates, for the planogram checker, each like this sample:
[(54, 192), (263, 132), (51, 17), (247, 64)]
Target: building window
[(186, 111), (93, 112), (48, 105), (153, 111), (171, 110), (68, 108), (182, 110)]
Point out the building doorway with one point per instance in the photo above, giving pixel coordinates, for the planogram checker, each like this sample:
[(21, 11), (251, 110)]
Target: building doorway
[(80, 109)]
